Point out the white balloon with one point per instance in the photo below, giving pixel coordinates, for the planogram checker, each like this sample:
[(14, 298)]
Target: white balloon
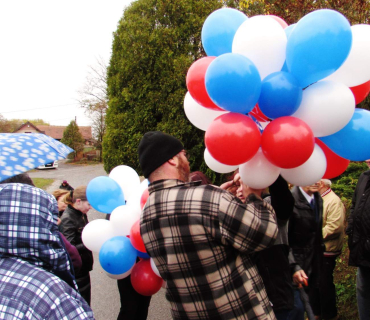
[(263, 41), (136, 194), (309, 172), (216, 166), (198, 115), (356, 69), (326, 106), (154, 268), (122, 218), (258, 173), (120, 276), (96, 233), (126, 177)]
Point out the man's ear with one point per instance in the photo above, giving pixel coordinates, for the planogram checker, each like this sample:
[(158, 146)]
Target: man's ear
[(172, 161)]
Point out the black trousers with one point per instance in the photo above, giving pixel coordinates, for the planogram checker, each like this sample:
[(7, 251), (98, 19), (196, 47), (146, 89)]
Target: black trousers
[(134, 306), (324, 299), (84, 287)]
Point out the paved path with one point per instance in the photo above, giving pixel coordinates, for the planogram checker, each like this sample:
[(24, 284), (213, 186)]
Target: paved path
[(104, 298)]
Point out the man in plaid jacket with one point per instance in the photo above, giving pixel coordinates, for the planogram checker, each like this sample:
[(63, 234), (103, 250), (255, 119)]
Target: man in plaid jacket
[(200, 238)]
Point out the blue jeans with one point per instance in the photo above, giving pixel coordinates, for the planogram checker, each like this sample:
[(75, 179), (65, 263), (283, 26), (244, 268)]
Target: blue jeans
[(282, 315), (363, 292), (298, 311)]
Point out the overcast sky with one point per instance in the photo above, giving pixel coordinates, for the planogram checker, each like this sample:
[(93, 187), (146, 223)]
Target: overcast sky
[(47, 47)]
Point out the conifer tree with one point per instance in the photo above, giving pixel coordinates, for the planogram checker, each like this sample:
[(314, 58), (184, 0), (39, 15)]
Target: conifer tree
[(72, 137)]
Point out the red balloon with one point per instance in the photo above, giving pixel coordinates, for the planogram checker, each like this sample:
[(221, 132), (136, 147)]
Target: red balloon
[(144, 280), (361, 91), (196, 85), (135, 237), (232, 138), (280, 20), (144, 198), (287, 142), (335, 165)]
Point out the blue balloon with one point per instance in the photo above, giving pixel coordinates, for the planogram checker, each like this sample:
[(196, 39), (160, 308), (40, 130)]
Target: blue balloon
[(233, 83), (104, 194), (117, 255), (353, 141), (288, 31), (318, 45), (280, 96), (142, 255), (219, 29)]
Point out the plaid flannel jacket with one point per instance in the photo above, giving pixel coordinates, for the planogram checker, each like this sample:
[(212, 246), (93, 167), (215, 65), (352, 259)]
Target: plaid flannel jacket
[(200, 238), (30, 252)]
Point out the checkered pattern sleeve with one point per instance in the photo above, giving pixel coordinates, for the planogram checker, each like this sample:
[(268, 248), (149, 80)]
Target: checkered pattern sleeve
[(247, 227), (199, 238)]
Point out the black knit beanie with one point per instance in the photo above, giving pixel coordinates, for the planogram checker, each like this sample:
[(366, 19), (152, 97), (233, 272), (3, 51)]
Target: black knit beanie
[(155, 148)]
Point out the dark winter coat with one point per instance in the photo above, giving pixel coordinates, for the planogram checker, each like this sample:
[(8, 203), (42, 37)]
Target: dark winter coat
[(73, 253), (72, 223), (358, 229), (66, 186), (305, 237), (273, 263)]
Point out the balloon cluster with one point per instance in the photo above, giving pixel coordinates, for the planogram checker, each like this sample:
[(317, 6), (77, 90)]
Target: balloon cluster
[(117, 240), (277, 99)]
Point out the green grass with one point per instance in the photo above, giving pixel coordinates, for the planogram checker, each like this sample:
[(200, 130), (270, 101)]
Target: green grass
[(42, 183)]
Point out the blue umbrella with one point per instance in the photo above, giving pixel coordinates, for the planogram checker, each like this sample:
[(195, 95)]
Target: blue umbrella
[(20, 152)]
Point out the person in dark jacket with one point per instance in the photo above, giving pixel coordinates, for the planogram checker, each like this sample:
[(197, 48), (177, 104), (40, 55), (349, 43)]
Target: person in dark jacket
[(60, 195), (306, 246), (273, 263), (73, 221), (65, 185), (358, 231)]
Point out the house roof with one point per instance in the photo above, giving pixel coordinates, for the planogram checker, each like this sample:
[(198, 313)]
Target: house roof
[(27, 124), (56, 132)]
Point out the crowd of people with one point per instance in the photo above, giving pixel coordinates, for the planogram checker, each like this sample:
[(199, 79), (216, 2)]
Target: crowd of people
[(224, 252)]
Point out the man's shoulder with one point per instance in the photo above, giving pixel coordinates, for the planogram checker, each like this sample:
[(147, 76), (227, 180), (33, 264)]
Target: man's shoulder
[(173, 184), (331, 196)]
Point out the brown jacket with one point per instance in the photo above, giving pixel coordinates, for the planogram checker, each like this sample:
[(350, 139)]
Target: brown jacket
[(333, 223)]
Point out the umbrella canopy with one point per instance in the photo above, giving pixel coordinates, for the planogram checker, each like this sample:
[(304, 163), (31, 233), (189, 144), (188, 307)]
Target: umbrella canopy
[(20, 152)]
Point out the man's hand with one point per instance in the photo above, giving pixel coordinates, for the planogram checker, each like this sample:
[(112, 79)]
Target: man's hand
[(227, 185), (300, 277)]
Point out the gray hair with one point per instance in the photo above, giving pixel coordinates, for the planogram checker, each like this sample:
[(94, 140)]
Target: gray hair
[(326, 182)]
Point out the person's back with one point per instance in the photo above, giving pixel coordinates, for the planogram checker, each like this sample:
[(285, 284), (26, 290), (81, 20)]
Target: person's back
[(358, 231), (35, 273), (200, 238)]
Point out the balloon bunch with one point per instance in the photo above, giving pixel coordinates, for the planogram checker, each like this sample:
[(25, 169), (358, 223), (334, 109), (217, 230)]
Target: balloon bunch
[(277, 99), (117, 240)]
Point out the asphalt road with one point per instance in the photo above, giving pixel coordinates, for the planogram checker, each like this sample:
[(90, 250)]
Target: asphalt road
[(105, 301)]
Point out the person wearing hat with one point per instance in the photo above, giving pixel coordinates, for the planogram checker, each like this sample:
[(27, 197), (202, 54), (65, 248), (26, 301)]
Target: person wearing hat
[(66, 186), (200, 238)]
